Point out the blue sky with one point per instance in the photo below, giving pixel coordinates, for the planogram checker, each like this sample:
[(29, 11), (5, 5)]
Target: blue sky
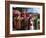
[(33, 10)]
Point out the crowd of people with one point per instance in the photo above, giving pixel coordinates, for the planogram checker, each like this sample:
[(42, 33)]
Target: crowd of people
[(25, 21)]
